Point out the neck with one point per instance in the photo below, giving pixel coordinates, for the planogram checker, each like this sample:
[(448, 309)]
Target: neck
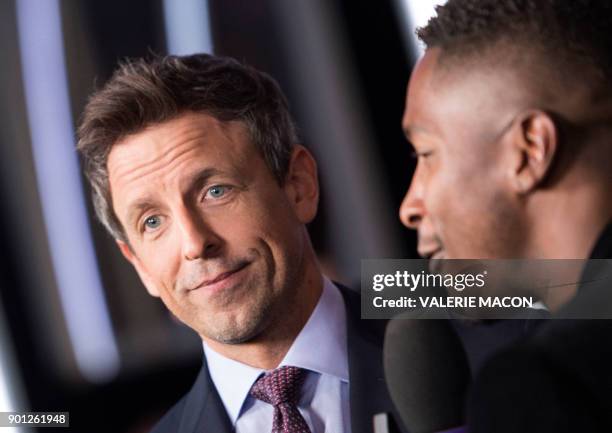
[(567, 227), (288, 317)]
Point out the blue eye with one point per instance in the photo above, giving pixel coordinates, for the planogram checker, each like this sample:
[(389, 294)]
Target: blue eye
[(217, 191), (152, 222)]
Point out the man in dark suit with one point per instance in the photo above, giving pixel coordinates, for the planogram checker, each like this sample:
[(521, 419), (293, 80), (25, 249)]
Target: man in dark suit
[(559, 379), (197, 172), (510, 114)]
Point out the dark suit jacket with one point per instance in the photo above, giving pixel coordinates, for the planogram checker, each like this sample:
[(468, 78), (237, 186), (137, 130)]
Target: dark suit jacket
[(202, 411), (560, 379)]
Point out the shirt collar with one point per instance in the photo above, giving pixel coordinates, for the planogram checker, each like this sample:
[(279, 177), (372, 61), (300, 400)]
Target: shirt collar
[(232, 379), (325, 330)]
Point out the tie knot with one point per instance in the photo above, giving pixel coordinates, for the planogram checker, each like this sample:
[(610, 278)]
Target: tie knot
[(279, 386)]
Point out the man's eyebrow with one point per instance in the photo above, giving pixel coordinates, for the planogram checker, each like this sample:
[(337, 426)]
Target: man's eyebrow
[(138, 207), (201, 178)]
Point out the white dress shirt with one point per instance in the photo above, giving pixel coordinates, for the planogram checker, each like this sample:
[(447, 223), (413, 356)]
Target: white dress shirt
[(320, 348)]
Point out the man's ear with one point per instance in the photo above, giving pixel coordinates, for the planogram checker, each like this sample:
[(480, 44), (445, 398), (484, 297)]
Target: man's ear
[(302, 184), (535, 140), (127, 252)]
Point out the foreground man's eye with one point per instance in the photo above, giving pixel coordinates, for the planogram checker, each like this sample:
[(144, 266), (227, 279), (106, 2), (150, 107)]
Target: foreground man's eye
[(217, 191)]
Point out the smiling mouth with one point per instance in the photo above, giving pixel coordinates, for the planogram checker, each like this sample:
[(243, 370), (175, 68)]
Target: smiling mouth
[(223, 276)]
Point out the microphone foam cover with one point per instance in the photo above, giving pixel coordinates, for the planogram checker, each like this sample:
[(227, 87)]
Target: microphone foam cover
[(427, 373)]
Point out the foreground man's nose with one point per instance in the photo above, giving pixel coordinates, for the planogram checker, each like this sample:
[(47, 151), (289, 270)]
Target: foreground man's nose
[(412, 209), (199, 241)]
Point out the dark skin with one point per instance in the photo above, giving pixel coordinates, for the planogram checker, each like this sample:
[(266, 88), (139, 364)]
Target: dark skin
[(492, 179)]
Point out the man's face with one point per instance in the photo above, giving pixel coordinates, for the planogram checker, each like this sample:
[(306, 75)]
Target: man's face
[(209, 229), (460, 199)]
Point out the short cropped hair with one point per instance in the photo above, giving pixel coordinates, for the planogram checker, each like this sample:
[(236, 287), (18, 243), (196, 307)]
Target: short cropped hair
[(145, 92), (574, 32)]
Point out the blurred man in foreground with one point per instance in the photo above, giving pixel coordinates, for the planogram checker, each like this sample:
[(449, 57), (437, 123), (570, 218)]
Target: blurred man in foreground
[(197, 173), (510, 114)]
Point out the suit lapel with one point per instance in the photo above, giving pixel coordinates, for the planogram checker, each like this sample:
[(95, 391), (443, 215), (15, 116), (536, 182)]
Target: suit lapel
[(204, 412)]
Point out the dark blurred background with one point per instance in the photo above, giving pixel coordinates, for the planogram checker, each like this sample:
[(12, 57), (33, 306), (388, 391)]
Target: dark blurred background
[(78, 332)]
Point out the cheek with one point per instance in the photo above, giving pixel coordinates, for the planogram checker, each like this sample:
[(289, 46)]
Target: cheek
[(265, 225), (466, 185), (444, 192), (241, 227), (272, 217), (277, 228), (491, 232), (161, 262), (471, 209)]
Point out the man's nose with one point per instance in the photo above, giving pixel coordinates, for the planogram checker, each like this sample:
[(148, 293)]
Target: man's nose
[(198, 239), (412, 210)]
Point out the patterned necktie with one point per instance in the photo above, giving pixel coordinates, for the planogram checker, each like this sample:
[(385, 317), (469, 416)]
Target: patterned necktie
[(281, 388)]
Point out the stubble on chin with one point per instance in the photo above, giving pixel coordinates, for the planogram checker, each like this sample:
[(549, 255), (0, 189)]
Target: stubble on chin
[(268, 307), (239, 319), (242, 330)]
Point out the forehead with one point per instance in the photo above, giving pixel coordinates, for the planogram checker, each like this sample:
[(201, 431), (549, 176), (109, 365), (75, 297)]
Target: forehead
[(166, 161), (459, 98), (419, 88), (190, 138)]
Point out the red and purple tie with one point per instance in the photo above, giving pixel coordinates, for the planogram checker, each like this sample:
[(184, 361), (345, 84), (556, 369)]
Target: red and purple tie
[(281, 389)]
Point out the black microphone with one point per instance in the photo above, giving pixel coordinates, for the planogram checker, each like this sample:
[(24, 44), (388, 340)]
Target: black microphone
[(427, 373)]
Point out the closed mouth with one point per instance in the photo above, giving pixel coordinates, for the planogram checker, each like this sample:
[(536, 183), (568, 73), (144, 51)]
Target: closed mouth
[(222, 276)]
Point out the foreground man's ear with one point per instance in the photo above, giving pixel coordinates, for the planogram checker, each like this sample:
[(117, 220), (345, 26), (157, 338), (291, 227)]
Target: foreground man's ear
[(302, 184), (535, 142), (144, 277)]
